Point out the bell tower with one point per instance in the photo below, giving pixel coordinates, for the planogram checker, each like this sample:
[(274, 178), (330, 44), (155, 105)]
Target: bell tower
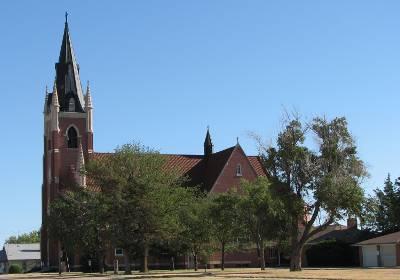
[(68, 139)]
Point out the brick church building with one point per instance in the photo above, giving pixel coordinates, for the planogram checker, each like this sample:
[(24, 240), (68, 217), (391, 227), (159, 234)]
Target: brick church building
[(68, 144)]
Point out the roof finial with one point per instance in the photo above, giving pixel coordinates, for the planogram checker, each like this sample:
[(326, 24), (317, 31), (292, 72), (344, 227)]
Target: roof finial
[(66, 17), (88, 97), (237, 140)]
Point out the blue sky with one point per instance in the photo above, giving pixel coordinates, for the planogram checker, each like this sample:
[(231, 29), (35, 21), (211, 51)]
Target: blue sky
[(161, 71)]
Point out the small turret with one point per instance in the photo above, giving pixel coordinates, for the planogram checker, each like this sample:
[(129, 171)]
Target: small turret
[(55, 108), (80, 164), (46, 98), (208, 146), (89, 109)]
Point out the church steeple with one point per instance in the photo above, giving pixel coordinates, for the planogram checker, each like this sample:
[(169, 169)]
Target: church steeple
[(67, 74), (208, 146)]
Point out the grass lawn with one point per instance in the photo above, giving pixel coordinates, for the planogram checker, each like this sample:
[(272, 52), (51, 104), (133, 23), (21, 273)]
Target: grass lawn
[(231, 274)]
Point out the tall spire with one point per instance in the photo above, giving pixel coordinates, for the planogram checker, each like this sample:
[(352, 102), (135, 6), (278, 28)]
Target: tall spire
[(67, 69), (208, 146)]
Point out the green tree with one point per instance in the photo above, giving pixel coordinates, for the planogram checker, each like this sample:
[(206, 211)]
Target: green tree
[(381, 211), (79, 219), (323, 184), (196, 231), (224, 217), (262, 214), (25, 238), (144, 196)]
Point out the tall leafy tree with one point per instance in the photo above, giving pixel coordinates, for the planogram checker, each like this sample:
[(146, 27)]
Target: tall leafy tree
[(261, 213), (79, 219), (319, 182), (144, 197), (224, 215), (196, 232)]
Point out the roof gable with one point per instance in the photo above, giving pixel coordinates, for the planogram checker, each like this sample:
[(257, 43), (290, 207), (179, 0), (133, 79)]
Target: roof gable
[(227, 177)]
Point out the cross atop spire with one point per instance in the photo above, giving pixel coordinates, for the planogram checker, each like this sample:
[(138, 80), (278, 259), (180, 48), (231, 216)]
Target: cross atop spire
[(66, 17)]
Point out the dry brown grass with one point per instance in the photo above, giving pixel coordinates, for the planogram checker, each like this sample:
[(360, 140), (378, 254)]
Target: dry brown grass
[(232, 274)]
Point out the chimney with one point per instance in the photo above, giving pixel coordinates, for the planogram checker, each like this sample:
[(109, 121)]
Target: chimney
[(351, 223)]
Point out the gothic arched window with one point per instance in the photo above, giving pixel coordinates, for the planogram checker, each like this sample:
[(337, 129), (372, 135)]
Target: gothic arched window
[(71, 105), (72, 138)]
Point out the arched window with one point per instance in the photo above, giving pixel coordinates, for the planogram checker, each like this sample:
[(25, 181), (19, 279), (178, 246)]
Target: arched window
[(239, 170), (72, 138), (71, 105)]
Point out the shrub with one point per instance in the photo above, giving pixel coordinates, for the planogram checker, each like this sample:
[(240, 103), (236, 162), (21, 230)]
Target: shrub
[(14, 269)]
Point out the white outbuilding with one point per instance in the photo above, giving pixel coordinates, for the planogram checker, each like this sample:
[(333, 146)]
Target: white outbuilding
[(383, 251)]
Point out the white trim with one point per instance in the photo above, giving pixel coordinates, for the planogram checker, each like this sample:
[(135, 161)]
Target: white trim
[(74, 126)]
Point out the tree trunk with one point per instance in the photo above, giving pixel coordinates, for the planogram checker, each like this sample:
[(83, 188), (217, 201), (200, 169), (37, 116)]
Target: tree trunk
[(258, 253), (279, 257), (128, 270), (295, 258), (187, 260), (101, 263), (145, 265), (222, 255), (172, 263), (262, 252), (195, 261)]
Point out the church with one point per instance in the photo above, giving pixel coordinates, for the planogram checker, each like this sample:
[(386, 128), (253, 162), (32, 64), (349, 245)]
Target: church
[(68, 144)]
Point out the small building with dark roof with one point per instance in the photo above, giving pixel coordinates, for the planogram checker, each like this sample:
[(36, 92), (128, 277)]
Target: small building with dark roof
[(333, 247)]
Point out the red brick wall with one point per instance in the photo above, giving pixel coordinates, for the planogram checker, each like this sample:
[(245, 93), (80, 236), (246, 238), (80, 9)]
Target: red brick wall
[(247, 257), (228, 179), (60, 167), (69, 156)]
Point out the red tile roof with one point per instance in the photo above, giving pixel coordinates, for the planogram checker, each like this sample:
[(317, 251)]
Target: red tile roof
[(256, 163), (183, 163), (200, 171)]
